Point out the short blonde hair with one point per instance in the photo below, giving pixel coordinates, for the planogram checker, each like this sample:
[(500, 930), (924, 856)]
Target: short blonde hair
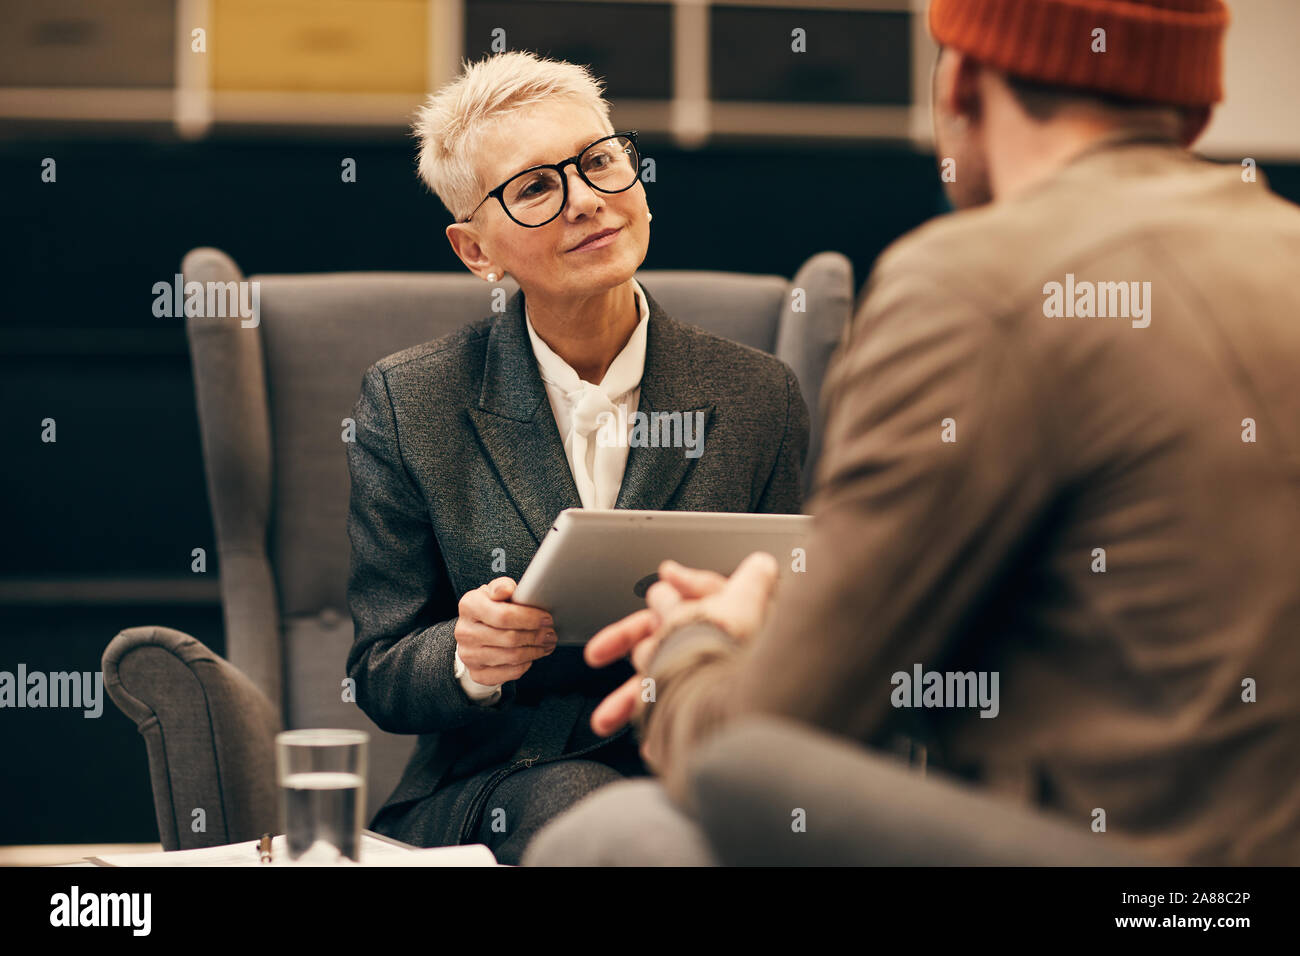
[(453, 120)]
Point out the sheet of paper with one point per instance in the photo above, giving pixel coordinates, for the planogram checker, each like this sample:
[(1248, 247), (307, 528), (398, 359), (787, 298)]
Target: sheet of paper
[(374, 852)]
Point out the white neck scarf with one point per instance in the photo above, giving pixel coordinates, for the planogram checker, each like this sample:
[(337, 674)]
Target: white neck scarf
[(581, 409)]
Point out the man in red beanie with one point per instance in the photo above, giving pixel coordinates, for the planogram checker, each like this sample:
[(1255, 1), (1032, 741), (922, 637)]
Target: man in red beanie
[(1022, 87), (1062, 453)]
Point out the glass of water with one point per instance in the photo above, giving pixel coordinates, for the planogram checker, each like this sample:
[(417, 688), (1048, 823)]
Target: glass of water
[(322, 778)]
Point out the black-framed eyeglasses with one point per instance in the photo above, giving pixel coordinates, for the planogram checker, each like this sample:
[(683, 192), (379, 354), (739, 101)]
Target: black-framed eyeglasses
[(537, 195)]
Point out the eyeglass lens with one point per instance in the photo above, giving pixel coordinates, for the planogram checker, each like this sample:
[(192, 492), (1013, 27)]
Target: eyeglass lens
[(534, 197)]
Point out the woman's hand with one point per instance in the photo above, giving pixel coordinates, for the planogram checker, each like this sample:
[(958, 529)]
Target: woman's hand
[(498, 641)]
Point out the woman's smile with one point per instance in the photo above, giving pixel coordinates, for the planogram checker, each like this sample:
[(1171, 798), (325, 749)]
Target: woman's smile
[(598, 240)]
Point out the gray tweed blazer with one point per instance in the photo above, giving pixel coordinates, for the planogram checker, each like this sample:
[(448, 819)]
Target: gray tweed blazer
[(458, 461)]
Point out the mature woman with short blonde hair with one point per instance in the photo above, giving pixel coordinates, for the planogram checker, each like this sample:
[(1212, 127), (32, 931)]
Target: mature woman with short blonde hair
[(469, 446)]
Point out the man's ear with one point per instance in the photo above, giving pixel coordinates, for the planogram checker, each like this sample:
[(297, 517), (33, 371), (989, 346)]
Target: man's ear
[(967, 99), (464, 241), (1193, 121), (956, 85)]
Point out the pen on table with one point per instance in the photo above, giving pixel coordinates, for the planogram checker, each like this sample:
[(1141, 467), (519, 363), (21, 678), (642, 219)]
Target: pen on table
[(264, 848)]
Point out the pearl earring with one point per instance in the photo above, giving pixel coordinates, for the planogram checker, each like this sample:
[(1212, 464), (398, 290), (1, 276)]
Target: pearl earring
[(492, 277), (649, 216)]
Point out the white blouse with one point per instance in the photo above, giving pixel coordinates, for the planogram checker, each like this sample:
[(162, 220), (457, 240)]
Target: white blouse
[(581, 411)]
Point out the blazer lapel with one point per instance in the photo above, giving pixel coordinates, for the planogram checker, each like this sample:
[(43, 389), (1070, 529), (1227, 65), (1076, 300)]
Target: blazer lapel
[(516, 426), (667, 385)]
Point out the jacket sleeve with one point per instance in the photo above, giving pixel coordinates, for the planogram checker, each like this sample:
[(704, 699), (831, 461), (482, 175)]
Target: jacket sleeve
[(783, 492), (401, 599), (938, 462)]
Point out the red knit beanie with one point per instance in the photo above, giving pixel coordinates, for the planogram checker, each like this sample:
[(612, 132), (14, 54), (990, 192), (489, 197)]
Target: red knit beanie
[(1161, 51)]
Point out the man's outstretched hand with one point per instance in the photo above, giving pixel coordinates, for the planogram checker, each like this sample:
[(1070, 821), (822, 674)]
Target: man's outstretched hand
[(681, 596)]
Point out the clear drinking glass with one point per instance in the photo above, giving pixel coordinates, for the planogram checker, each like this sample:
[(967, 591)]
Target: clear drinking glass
[(322, 779)]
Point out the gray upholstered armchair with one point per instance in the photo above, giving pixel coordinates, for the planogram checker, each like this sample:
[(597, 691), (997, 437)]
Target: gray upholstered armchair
[(271, 400)]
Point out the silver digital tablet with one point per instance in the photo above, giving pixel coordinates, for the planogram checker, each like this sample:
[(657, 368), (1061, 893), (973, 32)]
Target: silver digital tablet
[(594, 567)]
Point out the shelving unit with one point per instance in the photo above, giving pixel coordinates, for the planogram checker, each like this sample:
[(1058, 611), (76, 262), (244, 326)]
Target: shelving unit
[(688, 69)]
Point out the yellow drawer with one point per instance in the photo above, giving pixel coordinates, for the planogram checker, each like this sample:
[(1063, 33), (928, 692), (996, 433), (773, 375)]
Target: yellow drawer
[(343, 46)]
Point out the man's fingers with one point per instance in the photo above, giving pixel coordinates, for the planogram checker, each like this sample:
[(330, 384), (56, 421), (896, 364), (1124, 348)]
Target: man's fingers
[(691, 582), (753, 582), (662, 598), (616, 641), (617, 709), (644, 653), (751, 585)]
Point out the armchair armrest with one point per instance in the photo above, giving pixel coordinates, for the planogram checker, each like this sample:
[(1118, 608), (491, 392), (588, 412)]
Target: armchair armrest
[(866, 809), (210, 736)]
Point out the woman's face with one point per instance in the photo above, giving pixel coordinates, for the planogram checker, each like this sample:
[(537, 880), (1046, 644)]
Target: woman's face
[(545, 259)]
